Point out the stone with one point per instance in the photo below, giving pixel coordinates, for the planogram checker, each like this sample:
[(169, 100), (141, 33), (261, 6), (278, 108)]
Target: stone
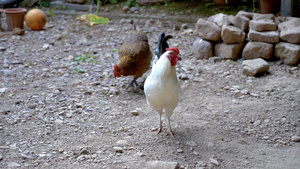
[(161, 165), (76, 1), (295, 138), (255, 66), (179, 150), (134, 112), (125, 9), (267, 36), (242, 22), (208, 30), (118, 149), (58, 121), (214, 59), (290, 30), (246, 14), (13, 165), (231, 34), (262, 25), (202, 49), (191, 143), (184, 26), (221, 19), (228, 51), (214, 161), (254, 50), (258, 16), (287, 52)]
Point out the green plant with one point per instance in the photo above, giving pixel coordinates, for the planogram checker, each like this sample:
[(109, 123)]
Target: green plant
[(115, 50), (84, 58), (78, 70), (131, 3), (50, 13)]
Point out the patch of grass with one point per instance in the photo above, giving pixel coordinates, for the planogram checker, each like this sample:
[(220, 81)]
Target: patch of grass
[(104, 92), (78, 70), (85, 58), (115, 50)]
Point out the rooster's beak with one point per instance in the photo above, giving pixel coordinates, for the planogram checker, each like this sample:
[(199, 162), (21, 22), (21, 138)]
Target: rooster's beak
[(179, 57)]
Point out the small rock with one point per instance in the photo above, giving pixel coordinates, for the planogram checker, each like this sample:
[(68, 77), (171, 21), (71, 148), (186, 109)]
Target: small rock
[(134, 112), (214, 161), (125, 9), (295, 138), (2, 48), (161, 165), (118, 149), (183, 77), (46, 46), (58, 121), (2, 90), (13, 165), (140, 154), (191, 143), (214, 59), (179, 150), (184, 26), (113, 91), (32, 106), (257, 122)]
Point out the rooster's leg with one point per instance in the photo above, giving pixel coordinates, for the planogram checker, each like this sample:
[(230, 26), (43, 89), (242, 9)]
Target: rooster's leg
[(170, 130), (160, 125), (133, 81)]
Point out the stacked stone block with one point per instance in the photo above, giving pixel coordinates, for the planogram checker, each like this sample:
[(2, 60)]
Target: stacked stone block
[(265, 36)]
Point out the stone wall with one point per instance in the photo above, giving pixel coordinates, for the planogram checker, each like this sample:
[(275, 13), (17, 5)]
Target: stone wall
[(249, 36)]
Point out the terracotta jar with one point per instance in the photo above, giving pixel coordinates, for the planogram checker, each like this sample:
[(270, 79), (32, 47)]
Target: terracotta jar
[(270, 6), (15, 17)]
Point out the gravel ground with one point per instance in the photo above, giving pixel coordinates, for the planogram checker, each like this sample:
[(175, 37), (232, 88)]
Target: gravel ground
[(61, 106)]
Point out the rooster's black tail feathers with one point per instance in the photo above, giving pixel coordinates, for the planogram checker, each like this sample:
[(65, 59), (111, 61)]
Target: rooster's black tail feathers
[(162, 44)]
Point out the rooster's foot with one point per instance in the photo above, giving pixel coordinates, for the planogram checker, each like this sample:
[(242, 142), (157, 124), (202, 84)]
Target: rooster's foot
[(170, 133), (156, 129)]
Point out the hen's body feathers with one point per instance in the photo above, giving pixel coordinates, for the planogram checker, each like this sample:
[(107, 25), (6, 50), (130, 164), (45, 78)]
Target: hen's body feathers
[(134, 56)]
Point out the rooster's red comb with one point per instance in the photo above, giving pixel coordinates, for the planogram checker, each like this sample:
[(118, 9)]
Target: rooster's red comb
[(176, 50)]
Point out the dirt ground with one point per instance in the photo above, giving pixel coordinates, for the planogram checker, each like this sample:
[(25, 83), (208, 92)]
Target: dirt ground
[(61, 106)]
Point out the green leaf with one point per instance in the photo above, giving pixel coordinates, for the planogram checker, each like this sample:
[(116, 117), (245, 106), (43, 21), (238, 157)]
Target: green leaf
[(93, 19)]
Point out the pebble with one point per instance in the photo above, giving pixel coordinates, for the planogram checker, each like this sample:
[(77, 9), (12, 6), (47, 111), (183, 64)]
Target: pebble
[(161, 165), (46, 46), (135, 112), (184, 26), (58, 121), (257, 122), (2, 48), (191, 143), (118, 149), (214, 161), (295, 138), (179, 150), (13, 165), (140, 154)]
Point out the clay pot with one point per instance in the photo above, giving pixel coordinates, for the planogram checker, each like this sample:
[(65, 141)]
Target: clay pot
[(270, 6), (15, 17)]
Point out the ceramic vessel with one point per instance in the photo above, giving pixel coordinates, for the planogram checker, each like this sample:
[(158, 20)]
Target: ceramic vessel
[(15, 17)]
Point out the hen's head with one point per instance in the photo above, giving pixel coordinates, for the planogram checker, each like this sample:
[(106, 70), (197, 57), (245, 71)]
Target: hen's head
[(117, 71), (173, 55)]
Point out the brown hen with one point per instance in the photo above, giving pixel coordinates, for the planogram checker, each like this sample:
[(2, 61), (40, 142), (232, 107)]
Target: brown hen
[(134, 57)]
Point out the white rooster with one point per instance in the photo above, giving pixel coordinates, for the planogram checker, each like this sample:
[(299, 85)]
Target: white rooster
[(162, 86)]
